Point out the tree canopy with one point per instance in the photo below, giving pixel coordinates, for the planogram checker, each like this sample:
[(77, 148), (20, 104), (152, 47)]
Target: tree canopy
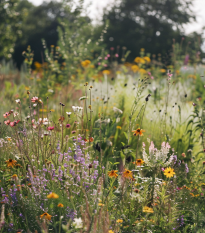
[(147, 24)]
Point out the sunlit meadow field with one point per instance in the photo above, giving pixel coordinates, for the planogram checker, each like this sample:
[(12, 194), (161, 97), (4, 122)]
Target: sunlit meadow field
[(102, 145)]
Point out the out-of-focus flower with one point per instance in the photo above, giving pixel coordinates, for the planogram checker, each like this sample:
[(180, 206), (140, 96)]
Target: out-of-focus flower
[(11, 162), (34, 99), (138, 132), (147, 209), (52, 196), (113, 173), (127, 174), (138, 162), (106, 72), (85, 63), (46, 216), (60, 205)]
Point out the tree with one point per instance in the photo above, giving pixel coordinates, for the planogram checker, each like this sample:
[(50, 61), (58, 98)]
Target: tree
[(149, 24), (10, 26)]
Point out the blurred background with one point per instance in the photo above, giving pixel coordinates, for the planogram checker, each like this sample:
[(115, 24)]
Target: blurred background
[(130, 24)]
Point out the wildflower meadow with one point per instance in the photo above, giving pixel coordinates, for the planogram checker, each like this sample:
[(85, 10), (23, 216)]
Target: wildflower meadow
[(92, 142)]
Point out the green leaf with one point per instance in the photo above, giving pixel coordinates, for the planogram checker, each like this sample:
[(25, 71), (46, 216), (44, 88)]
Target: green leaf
[(126, 135)]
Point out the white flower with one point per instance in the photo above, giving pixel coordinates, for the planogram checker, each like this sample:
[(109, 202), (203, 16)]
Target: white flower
[(117, 120), (157, 157), (76, 108), (16, 114), (78, 223), (18, 101), (45, 121), (117, 110), (34, 105), (50, 90), (68, 113)]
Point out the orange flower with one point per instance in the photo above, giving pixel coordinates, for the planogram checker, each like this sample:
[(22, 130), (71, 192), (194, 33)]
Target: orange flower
[(113, 173), (138, 132), (127, 174), (52, 195), (11, 162), (46, 216), (138, 162), (60, 205), (91, 139)]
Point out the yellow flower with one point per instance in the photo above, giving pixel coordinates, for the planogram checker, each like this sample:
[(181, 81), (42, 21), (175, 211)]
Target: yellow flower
[(138, 132), (162, 70), (52, 110), (113, 173), (142, 49), (46, 216), (60, 205), (110, 231), (100, 204), (85, 63), (14, 176), (52, 195), (119, 127), (134, 68), (139, 60), (119, 221), (138, 162), (106, 72), (169, 172), (127, 174), (147, 59), (142, 71), (146, 209), (11, 162)]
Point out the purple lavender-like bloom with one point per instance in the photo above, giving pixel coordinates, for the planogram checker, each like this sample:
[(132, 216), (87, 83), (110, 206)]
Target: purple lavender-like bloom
[(175, 159), (186, 168)]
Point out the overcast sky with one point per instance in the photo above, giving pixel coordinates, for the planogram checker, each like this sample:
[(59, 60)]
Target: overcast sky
[(97, 5)]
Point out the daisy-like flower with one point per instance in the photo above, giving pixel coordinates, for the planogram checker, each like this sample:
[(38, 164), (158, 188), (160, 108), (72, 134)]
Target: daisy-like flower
[(127, 174), (68, 113), (6, 115), (53, 196), (119, 221), (60, 205), (138, 162), (146, 209), (113, 173), (34, 99), (138, 132), (46, 216), (18, 101), (11, 162), (169, 172), (50, 128)]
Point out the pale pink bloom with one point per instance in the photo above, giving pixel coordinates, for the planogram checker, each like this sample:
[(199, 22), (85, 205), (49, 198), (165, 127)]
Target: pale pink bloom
[(34, 99), (152, 77), (6, 114)]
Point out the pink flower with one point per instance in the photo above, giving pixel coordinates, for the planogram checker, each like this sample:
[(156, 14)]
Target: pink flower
[(6, 114), (7, 122), (108, 55), (170, 75), (152, 77), (50, 128), (34, 99), (11, 124), (162, 169), (68, 126), (116, 55), (148, 73)]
